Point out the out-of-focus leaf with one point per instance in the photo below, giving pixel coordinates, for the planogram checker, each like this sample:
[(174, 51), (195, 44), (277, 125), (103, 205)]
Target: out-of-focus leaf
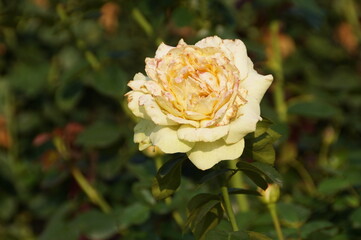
[(182, 17), (29, 78), (28, 121), (134, 214), (87, 30), (308, 10), (8, 206), (223, 235), (355, 218), (293, 215), (314, 226), (312, 109), (110, 80), (68, 95), (239, 235), (58, 228), (333, 185), (95, 224), (99, 134)]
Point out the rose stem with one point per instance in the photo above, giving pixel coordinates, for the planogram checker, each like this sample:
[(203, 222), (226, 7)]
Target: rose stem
[(175, 214), (273, 211), (236, 181), (352, 17), (93, 195), (83, 183), (228, 207), (276, 65)]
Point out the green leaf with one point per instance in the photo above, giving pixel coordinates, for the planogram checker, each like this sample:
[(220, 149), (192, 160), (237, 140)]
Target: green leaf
[(224, 235), (257, 179), (239, 235), (355, 218), (265, 154), (200, 199), (202, 211), (111, 81), (314, 226), (213, 174), (167, 167), (99, 134), (293, 215), (167, 179), (134, 214), (269, 171), (259, 145), (8, 206), (262, 169), (68, 95), (313, 109), (333, 185), (58, 228), (96, 225), (29, 78), (182, 17), (205, 213)]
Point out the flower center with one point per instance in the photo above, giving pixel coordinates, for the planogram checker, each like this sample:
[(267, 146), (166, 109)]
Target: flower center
[(197, 81)]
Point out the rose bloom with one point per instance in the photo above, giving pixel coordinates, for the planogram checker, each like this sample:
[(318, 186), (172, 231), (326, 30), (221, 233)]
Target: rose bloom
[(198, 99)]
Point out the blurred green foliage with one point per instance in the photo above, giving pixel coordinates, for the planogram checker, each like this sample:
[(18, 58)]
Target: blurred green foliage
[(64, 66)]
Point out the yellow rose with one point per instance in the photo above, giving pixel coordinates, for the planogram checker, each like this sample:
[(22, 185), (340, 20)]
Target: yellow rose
[(198, 99)]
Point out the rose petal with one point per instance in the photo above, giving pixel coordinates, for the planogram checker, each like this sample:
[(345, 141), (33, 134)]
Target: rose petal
[(167, 140), (239, 51), (213, 41), (138, 85), (245, 123), (153, 111), (142, 133), (205, 155), (151, 68), (235, 50), (183, 121), (256, 84), (191, 134), (162, 50), (133, 103), (139, 76)]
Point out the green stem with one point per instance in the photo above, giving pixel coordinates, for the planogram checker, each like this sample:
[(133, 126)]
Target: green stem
[(273, 211), (276, 65), (175, 214), (142, 21), (236, 181), (93, 195), (228, 207), (352, 17), (84, 184), (305, 175)]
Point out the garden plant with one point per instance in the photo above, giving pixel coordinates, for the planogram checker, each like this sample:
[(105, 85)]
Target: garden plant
[(185, 119)]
